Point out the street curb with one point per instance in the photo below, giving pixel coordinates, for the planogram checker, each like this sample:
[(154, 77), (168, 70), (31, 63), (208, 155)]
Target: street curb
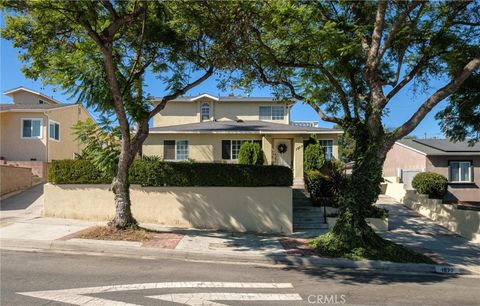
[(274, 259)]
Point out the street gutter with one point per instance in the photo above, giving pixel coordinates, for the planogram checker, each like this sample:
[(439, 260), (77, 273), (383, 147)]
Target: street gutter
[(303, 262)]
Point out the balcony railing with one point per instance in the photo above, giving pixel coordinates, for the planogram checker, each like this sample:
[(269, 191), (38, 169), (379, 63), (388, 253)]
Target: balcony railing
[(305, 123)]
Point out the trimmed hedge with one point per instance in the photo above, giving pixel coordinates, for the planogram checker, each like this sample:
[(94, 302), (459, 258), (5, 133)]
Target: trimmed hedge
[(433, 184), (75, 172), (160, 173)]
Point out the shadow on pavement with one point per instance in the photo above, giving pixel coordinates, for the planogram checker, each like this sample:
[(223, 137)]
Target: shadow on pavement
[(23, 200)]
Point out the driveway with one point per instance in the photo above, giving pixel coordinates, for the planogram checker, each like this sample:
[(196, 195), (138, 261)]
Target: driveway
[(26, 205), (411, 229)]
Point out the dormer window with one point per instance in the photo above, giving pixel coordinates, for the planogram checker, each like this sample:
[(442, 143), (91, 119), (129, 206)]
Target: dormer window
[(205, 112)]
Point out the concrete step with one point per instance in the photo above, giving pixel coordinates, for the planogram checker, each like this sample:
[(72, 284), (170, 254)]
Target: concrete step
[(307, 209), (307, 214), (308, 219), (300, 227)]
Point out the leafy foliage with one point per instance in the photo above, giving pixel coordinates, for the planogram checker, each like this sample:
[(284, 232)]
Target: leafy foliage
[(159, 173), (250, 153), (101, 144), (431, 183), (326, 184), (313, 157), (460, 119), (76, 172)]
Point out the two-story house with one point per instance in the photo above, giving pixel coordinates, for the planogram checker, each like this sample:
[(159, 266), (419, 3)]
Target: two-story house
[(207, 128), (36, 129)]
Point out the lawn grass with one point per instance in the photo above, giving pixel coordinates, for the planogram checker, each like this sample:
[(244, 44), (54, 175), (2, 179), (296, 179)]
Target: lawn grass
[(107, 233), (325, 246)]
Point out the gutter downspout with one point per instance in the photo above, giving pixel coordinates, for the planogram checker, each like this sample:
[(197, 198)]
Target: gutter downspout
[(47, 134)]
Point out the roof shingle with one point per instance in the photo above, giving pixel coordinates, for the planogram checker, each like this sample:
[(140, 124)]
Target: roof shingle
[(249, 127)]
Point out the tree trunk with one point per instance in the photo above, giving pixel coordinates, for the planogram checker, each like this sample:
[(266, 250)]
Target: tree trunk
[(121, 189), (351, 230)]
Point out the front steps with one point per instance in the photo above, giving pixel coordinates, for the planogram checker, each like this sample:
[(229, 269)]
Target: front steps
[(305, 216)]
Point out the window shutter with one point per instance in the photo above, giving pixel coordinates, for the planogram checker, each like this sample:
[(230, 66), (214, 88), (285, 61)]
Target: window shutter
[(225, 149), (57, 131), (169, 149)]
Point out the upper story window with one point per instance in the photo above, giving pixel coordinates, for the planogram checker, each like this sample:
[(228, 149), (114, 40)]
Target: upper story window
[(41, 102), (327, 145), (271, 112), (460, 171), (205, 111), (175, 149), (54, 130), (32, 128)]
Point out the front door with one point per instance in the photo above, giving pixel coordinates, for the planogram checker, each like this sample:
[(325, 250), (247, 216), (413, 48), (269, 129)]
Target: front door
[(282, 152)]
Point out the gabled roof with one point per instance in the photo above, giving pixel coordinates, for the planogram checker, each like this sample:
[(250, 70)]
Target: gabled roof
[(240, 127), (30, 107), (223, 99), (439, 147), (11, 92)]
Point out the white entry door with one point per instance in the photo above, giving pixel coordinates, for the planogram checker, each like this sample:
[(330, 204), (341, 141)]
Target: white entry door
[(282, 152)]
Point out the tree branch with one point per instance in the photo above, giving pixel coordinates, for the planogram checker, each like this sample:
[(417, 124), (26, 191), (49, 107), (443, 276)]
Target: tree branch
[(334, 82), (179, 92), (434, 99), (395, 28), (291, 88), (372, 59), (421, 63)]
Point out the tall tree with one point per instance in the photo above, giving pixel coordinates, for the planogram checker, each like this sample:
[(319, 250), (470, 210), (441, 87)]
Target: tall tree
[(460, 119), (100, 51), (348, 60)]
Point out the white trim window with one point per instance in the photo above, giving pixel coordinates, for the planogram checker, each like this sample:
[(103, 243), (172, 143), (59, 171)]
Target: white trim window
[(460, 171), (327, 145), (205, 111), (231, 148), (31, 128), (54, 130), (175, 149), (271, 112)]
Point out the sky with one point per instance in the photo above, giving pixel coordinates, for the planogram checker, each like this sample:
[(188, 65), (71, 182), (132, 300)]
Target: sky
[(401, 107)]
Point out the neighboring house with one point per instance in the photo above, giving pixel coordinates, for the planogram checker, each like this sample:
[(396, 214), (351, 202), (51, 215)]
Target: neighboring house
[(207, 128), (457, 161), (37, 128)]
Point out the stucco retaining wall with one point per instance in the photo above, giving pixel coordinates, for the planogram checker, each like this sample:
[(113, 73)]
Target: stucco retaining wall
[(463, 222), (14, 178), (395, 190), (240, 209), (38, 168)]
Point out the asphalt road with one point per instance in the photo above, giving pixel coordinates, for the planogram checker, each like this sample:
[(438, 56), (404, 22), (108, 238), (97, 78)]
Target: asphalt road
[(155, 282)]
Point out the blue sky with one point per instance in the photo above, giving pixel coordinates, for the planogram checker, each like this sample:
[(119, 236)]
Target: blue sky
[(400, 108)]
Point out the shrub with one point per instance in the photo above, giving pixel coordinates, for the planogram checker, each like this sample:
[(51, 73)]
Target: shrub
[(250, 154), (76, 172), (160, 173), (430, 183), (326, 184), (313, 157)]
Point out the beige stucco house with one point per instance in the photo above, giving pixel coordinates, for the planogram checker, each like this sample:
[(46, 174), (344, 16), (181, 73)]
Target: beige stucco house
[(208, 128), (37, 128), (457, 161)]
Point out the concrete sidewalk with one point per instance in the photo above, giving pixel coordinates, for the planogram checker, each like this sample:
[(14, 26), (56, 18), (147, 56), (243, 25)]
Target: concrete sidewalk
[(24, 228)]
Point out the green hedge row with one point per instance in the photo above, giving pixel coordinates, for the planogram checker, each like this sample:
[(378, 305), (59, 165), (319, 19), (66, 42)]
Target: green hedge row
[(159, 173)]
